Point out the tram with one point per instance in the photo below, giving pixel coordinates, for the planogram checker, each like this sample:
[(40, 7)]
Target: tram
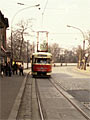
[(41, 64)]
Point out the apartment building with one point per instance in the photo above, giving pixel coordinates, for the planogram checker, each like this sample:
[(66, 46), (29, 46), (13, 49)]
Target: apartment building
[(3, 41)]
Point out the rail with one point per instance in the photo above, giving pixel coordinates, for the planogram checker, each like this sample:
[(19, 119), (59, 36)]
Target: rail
[(39, 101), (60, 90)]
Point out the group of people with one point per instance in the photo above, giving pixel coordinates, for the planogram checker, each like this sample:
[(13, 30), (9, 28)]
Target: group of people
[(16, 67), (10, 70)]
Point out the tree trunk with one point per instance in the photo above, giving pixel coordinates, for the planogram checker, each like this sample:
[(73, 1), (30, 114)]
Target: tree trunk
[(20, 57)]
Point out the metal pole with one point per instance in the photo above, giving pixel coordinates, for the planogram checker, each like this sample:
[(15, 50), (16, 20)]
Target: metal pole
[(82, 34), (27, 53), (11, 50), (83, 44)]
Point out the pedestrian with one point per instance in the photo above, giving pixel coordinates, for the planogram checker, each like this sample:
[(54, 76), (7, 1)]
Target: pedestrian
[(2, 70), (9, 69), (54, 65), (15, 67), (21, 70), (6, 68)]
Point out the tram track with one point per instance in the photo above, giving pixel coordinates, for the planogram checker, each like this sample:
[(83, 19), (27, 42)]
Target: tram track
[(41, 108), (39, 101), (62, 90)]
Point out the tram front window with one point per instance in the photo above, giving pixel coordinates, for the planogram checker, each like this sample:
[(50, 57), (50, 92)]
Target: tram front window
[(42, 61)]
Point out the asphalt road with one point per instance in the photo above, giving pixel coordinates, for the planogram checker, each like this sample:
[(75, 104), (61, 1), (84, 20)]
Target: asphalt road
[(75, 82), (9, 88), (71, 78)]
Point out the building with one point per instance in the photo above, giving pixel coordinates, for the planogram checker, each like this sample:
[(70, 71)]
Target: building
[(3, 26)]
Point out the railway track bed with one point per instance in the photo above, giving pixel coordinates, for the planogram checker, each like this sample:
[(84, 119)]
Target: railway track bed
[(43, 99)]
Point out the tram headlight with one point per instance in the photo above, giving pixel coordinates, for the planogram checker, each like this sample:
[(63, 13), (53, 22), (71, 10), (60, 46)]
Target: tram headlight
[(48, 73), (35, 73)]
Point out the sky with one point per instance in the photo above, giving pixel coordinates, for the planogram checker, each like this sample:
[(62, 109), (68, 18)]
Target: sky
[(53, 16)]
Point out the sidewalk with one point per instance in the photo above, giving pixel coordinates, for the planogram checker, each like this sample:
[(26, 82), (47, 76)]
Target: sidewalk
[(87, 71), (10, 89)]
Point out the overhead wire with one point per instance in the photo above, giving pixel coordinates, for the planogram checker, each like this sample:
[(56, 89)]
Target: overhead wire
[(44, 12)]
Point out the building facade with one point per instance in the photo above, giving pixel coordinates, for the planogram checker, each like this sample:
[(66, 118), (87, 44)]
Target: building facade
[(3, 26)]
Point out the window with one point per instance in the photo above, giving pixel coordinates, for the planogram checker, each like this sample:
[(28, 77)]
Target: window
[(43, 60)]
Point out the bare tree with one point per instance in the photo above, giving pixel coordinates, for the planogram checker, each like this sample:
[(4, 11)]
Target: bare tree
[(55, 50), (18, 38), (22, 31), (62, 55), (89, 37)]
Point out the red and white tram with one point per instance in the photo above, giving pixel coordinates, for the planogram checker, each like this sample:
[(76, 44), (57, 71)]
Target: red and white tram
[(41, 64)]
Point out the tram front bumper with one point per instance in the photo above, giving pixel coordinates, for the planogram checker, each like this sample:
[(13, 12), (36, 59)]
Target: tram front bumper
[(42, 73)]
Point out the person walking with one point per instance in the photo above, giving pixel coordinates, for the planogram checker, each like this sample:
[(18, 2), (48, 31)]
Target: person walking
[(21, 70), (6, 69), (15, 67), (2, 69), (9, 69)]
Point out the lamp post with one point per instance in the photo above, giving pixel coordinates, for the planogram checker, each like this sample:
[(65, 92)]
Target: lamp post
[(82, 34), (27, 52), (12, 24), (80, 59)]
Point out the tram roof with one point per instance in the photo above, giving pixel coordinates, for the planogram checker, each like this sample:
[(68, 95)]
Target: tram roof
[(42, 53)]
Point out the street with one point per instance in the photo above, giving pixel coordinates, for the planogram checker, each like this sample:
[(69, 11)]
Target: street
[(72, 80)]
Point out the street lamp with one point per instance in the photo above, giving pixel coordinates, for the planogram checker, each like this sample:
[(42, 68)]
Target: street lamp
[(12, 24), (83, 44), (82, 34), (20, 3), (27, 53)]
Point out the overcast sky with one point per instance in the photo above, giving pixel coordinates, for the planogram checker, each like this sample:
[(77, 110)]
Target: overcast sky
[(57, 14)]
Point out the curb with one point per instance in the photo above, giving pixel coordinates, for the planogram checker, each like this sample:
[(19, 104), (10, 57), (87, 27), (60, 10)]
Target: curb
[(15, 108)]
